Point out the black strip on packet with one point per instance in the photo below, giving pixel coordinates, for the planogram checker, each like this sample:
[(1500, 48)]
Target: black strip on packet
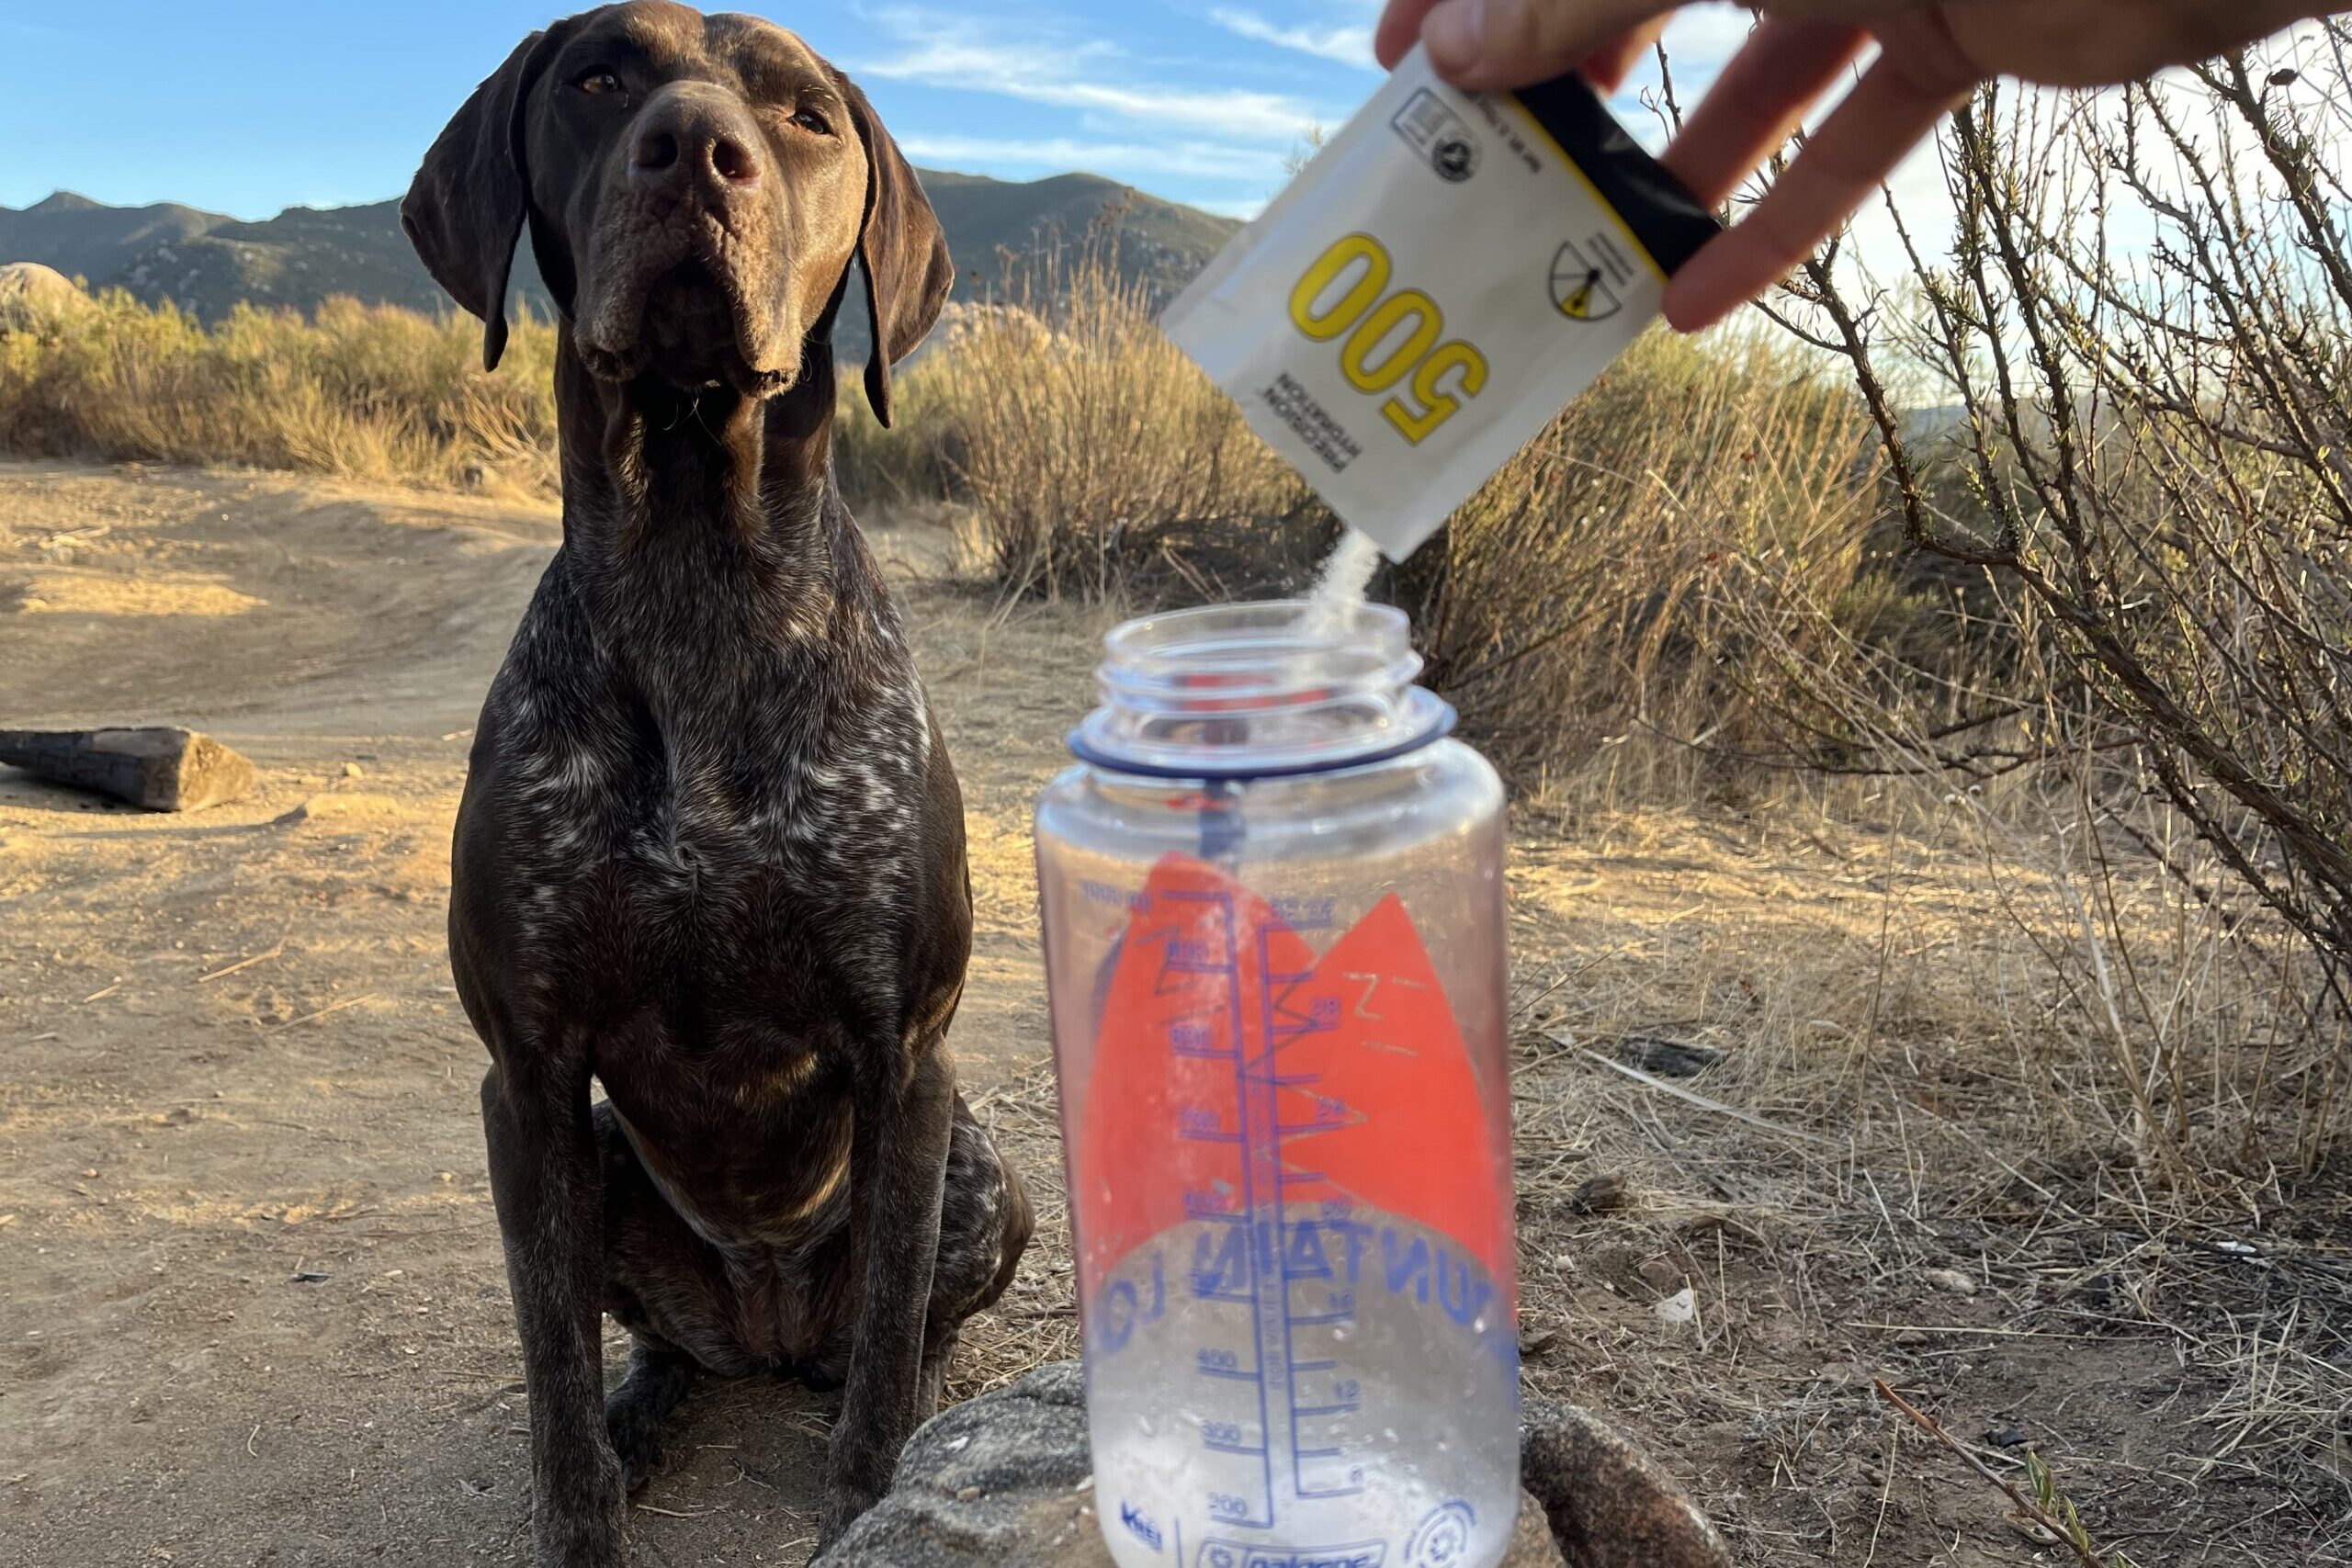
[(1663, 215)]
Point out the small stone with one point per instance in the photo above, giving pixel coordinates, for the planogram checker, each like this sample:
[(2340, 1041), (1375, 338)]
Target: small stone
[(354, 770), (1660, 1275), (1597, 1195)]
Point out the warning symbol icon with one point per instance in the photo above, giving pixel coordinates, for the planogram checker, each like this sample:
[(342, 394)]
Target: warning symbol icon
[(1578, 290)]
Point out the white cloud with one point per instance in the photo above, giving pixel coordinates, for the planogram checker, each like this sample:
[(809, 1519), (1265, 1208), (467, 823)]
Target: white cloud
[(1244, 209), (1191, 159), (943, 52), (1348, 45)]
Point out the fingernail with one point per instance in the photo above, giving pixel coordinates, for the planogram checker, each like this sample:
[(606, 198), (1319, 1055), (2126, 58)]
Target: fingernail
[(1455, 34)]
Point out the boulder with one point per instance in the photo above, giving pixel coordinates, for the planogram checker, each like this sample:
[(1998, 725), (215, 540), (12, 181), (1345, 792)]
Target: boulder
[(32, 295), (1005, 1478)]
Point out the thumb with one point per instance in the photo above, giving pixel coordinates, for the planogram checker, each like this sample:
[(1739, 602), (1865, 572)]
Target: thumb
[(1514, 43)]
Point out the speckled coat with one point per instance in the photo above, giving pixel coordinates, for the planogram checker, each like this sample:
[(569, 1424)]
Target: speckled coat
[(710, 855)]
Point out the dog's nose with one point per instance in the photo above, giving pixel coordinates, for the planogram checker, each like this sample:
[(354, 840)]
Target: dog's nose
[(684, 140)]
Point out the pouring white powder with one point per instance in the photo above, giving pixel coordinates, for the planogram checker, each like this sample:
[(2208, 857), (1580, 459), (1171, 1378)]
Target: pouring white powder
[(1339, 586)]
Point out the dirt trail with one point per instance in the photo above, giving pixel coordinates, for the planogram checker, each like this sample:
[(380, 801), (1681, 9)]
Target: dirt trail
[(188, 1141), (252, 1308)]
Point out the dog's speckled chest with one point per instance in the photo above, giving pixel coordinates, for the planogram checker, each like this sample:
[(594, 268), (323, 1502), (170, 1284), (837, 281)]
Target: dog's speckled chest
[(701, 833)]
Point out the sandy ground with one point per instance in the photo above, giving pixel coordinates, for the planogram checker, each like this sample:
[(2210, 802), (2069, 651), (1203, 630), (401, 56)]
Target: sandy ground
[(251, 1304)]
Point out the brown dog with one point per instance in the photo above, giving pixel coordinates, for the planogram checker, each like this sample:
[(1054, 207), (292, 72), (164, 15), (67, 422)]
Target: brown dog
[(711, 851)]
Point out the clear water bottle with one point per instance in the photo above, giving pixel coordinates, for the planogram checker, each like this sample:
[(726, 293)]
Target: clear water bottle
[(1273, 918)]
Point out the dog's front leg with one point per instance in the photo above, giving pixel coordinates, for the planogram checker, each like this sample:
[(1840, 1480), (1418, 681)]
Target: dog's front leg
[(897, 1171), (544, 1176)]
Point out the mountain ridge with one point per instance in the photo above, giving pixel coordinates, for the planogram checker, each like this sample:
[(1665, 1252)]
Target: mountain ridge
[(207, 262)]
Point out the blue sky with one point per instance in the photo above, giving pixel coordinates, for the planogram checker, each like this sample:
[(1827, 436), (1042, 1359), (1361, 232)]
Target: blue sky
[(249, 107)]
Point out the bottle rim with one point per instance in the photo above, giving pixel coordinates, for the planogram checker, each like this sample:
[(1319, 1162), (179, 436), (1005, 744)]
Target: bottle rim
[(1260, 689)]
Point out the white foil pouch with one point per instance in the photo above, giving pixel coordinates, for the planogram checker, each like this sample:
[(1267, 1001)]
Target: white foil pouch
[(1449, 271)]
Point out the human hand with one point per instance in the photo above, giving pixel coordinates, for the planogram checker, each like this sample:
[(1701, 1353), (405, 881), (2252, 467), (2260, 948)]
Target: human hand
[(1933, 54)]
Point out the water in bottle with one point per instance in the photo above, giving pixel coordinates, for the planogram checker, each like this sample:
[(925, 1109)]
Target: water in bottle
[(1274, 922)]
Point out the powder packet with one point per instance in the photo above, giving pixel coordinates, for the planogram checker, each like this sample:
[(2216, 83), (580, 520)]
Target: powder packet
[(1446, 274)]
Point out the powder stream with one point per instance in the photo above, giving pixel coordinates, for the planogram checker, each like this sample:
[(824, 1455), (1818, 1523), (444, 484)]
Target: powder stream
[(1339, 586)]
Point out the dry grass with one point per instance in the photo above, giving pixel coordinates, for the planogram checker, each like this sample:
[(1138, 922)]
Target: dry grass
[(1917, 1001), (1561, 609), (368, 393), (1098, 458)]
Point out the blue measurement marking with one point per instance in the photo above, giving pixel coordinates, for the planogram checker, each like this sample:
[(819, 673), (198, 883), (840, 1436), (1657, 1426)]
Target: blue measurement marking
[(1285, 1024), (1265, 1185), (1196, 1041), (1261, 1183)]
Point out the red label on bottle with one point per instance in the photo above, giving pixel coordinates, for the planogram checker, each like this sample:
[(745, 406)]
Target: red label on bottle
[(1236, 1070)]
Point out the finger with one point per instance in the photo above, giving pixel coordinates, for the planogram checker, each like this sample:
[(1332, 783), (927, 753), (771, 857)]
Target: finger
[(1480, 44), (1607, 67), (1893, 108), (1398, 30), (1759, 102)]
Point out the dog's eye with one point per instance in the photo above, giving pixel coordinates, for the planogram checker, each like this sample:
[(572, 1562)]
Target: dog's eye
[(812, 120), (599, 82)]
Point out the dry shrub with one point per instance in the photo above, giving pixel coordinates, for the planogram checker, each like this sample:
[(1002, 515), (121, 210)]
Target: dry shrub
[(1094, 453), (2141, 486), (362, 392), (1557, 608)]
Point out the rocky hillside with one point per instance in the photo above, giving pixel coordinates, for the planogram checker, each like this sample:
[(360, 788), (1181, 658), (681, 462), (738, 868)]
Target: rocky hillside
[(89, 239)]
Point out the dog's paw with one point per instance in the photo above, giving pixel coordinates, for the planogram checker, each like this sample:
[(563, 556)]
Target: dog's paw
[(844, 1506), (835, 1526), (577, 1523), (821, 1377), (636, 1441)]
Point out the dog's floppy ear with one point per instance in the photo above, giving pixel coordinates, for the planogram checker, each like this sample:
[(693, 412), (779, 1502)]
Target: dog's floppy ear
[(464, 211), (901, 248)]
